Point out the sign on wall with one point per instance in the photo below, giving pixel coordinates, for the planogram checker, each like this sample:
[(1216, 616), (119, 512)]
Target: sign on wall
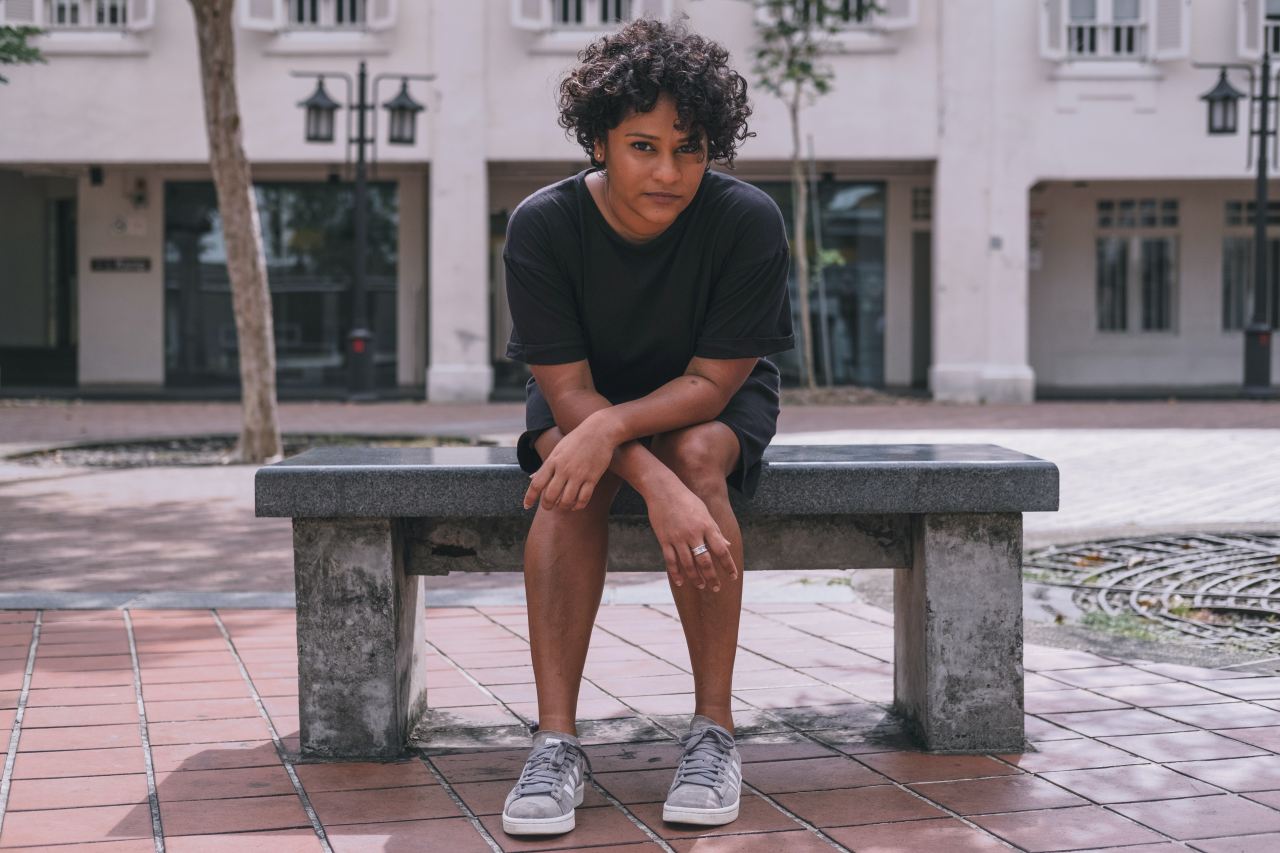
[(120, 264)]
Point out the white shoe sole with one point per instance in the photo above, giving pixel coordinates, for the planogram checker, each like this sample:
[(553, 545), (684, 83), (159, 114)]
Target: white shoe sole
[(544, 825), (701, 817)]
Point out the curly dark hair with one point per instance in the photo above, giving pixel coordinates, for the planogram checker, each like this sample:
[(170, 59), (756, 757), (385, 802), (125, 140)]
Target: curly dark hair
[(629, 69)]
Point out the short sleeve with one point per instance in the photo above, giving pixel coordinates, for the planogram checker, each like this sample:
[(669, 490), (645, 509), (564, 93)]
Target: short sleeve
[(750, 310), (545, 323)]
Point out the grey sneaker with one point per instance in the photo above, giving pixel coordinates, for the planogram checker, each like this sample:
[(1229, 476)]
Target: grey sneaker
[(708, 782), (549, 788)]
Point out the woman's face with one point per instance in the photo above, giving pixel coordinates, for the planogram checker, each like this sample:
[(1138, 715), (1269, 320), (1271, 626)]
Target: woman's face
[(653, 169)]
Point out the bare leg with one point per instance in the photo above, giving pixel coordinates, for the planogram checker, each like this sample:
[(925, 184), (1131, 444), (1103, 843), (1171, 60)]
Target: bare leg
[(702, 456), (564, 569)]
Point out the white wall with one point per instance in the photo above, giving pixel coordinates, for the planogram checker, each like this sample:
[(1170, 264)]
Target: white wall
[(1068, 351)]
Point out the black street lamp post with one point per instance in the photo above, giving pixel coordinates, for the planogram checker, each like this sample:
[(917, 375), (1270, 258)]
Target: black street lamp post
[(1222, 100), (403, 111)]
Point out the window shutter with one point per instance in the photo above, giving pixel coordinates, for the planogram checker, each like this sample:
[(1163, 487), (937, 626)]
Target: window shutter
[(532, 15), (19, 12), (660, 9), (1250, 28), (1170, 29), (261, 14), (1053, 34), (142, 14), (380, 14), (897, 15)]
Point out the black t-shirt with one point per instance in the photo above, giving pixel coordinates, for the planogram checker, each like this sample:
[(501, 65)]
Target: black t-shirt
[(713, 284)]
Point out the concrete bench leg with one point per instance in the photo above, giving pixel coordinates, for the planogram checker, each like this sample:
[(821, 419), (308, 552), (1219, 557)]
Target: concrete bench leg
[(361, 627), (958, 632)]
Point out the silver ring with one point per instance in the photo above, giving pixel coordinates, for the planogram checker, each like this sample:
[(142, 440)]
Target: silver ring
[(701, 549)]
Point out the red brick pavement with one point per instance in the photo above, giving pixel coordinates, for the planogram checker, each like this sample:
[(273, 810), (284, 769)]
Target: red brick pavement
[(1126, 753)]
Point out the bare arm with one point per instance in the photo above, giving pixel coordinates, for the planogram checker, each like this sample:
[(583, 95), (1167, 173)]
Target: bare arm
[(697, 396)]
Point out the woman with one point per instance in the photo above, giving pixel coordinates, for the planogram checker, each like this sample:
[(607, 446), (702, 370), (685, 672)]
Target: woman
[(645, 292)]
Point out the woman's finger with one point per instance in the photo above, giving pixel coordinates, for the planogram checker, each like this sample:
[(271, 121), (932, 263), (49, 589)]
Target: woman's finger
[(707, 569), (685, 556), (724, 557), (537, 483), (673, 566), (584, 496), (555, 488)]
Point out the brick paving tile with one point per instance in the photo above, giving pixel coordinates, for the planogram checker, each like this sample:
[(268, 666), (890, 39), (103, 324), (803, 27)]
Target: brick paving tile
[(79, 737), (801, 696), (1075, 754), (1165, 847), (73, 826), (647, 685), (1065, 829), (621, 669), (207, 731), (634, 756), (1162, 695), (507, 675), (792, 842), (489, 797), (470, 716), (239, 814), (355, 776), (637, 786), (169, 660), (1230, 715), (54, 651), (1184, 746), (588, 709), (1074, 699), (1001, 794), (214, 756), (1261, 773), (455, 835), (1265, 843), (174, 711), (79, 715), (811, 717), (177, 785), (1185, 672), (114, 677), (1034, 682), (1046, 659), (276, 841), (593, 827), (481, 765), (193, 692), (661, 706), (1106, 676), (1038, 729), (135, 845), (374, 805), (81, 696), (754, 815), (1267, 798), (1264, 687), (73, 792), (91, 663), (1204, 817), (943, 834), (79, 762), (775, 678), (1130, 722), (198, 675), (929, 767), (865, 805), (1129, 784), (774, 748), (813, 774)]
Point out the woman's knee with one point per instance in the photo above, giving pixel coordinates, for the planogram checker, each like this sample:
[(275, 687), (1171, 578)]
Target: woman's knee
[(701, 456)]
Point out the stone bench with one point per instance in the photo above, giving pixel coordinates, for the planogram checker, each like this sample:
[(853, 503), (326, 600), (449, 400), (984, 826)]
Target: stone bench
[(368, 522)]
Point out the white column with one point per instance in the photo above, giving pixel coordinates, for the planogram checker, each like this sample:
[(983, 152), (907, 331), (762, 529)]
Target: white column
[(458, 365), (980, 298)]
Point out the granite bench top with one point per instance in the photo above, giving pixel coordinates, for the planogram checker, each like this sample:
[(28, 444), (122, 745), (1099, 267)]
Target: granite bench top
[(469, 482)]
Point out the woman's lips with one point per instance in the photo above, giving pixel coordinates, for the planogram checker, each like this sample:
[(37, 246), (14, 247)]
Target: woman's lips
[(663, 198)]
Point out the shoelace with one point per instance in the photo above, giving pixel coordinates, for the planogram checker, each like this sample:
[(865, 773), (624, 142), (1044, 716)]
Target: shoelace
[(545, 766), (706, 752)]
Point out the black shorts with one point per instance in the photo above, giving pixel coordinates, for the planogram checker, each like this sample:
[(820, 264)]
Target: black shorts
[(752, 414)]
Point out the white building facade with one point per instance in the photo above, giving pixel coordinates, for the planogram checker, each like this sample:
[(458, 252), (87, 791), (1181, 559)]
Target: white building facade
[(1021, 194)]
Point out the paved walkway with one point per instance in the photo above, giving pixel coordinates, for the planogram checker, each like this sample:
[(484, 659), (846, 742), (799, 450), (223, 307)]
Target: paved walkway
[(181, 726)]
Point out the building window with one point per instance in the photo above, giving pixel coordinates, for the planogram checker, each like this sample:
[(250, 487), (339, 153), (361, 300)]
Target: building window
[(922, 204), (326, 14), (1238, 282), (592, 14), (1136, 252), (1273, 26), (1106, 28), (86, 14), (1243, 213)]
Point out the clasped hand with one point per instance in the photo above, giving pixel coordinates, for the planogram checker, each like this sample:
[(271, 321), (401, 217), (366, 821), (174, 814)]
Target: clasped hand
[(679, 518)]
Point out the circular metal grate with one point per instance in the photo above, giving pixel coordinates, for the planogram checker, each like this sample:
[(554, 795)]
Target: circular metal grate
[(1216, 589)]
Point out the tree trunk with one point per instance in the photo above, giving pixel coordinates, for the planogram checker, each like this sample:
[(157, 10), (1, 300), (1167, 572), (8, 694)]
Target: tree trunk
[(800, 216), (251, 301)]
